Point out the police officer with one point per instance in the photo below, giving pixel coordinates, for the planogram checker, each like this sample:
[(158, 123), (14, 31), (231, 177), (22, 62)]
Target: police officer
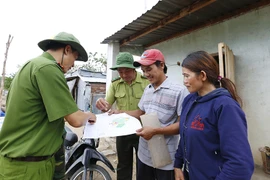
[(126, 91), (37, 103)]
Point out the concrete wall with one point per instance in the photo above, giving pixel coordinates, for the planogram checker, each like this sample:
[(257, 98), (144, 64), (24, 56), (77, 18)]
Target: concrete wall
[(112, 51), (248, 36)]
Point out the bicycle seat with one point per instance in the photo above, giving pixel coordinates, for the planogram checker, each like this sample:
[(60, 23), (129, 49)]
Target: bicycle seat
[(71, 137)]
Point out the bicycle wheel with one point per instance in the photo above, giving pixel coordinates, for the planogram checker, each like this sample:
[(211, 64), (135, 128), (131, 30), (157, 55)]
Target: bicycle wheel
[(94, 172)]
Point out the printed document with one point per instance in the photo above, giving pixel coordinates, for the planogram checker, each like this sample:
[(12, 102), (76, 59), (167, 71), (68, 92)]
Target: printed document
[(111, 126)]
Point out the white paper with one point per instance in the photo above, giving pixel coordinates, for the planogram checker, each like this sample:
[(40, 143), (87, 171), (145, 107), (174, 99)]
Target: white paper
[(111, 126), (1, 122)]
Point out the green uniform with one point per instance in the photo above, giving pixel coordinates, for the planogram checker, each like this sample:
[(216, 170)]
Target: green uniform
[(37, 101), (127, 97)]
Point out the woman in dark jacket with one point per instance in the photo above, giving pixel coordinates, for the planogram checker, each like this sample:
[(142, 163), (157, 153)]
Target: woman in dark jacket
[(213, 127)]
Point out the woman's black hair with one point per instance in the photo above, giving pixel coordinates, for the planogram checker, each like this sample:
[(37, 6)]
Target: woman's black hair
[(202, 61)]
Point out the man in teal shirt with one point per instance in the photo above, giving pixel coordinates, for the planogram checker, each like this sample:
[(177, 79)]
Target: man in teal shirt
[(37, 103), (126, 91)]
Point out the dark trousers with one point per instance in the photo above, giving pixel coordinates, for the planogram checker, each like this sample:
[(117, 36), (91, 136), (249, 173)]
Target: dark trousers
[(124, 147), (60, 166), (149, 173), (59, 173), (186, 175)]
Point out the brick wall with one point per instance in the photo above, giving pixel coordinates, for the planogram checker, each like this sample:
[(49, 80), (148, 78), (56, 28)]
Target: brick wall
[(98, 88)]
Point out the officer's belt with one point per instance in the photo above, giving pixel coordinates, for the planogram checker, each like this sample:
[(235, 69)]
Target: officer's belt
[(31, 158)]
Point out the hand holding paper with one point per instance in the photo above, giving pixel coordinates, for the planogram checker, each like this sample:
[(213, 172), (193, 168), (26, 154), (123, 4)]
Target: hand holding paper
[(146, 132), (112, 125)]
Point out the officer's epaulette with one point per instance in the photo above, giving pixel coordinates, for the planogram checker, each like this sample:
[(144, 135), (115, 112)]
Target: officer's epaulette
[(115, 79), (142, 76)]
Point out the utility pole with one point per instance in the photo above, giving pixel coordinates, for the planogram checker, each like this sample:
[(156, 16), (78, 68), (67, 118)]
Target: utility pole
[(10, 38)]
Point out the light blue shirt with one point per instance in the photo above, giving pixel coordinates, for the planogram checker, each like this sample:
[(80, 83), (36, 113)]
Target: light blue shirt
[(166, 101)]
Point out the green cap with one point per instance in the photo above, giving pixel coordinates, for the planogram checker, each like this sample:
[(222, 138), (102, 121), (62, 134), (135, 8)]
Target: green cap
[(68, 39), (123, 59)]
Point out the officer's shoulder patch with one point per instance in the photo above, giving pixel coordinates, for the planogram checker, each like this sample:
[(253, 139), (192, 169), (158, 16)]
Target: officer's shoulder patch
[(142, 76), (115, 79)]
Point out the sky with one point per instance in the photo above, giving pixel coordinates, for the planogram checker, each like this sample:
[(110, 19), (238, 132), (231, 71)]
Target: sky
[(91, 21)]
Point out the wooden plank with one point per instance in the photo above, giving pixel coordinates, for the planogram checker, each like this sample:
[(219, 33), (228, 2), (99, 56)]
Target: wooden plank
[(167, 20), (230, 67), (227, 63), (220, 59)]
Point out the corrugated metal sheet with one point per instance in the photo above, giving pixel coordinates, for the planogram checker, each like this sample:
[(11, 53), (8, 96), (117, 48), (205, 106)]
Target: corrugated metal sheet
[(166, 8), (87, 76)]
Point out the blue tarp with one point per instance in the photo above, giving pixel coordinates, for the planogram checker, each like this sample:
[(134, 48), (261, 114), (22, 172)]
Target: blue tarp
[(2, 114)]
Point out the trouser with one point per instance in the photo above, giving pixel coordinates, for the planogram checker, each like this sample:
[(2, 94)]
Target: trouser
[(13, 170), (124, 147), (146, 172), (60, 166), (186, 175)]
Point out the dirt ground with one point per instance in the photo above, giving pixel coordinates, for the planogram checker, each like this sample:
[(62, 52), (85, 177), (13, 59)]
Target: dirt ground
[(112, 157), (107, 146)]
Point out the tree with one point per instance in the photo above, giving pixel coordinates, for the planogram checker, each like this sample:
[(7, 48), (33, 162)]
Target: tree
[(10, 38), (8, 81), (95, 62)]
